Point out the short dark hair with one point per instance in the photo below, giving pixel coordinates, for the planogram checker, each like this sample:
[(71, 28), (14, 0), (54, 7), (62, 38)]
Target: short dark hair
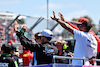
[(87, 24), (13, 47), (6, 48), (36, 35)]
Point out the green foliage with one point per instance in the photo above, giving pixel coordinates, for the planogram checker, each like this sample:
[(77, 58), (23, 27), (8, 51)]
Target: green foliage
[(76, 19), (21, 21), (88, 18)]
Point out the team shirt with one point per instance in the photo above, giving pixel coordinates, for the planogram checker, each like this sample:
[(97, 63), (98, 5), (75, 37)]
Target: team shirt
[(85, 47)]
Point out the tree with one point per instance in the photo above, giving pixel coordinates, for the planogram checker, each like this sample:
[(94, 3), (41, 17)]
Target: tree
[(21, 21), (76, 19)]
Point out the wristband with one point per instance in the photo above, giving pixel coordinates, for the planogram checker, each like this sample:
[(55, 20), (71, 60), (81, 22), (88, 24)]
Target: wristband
[(57, 19)]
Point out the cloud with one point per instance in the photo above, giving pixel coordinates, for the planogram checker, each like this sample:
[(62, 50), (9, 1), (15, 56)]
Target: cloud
[(77, 14), (11, 2)]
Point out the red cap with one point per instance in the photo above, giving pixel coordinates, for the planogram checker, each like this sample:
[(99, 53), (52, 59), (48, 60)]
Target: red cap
[(81, 20)]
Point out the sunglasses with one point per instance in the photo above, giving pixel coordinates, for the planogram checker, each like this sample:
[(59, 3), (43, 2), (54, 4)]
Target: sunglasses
[(37, 38)]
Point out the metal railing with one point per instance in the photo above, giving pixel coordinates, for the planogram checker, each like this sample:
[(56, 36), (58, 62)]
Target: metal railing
[(70, 58)]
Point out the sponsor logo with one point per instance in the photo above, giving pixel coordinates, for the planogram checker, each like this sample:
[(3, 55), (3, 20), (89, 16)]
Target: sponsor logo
[(4, 64)]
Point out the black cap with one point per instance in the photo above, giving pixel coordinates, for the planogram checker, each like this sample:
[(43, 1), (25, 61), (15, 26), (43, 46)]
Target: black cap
[(87, 24), (6, 48)]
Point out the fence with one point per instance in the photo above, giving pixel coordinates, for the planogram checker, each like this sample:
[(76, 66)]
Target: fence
[(70, 58)]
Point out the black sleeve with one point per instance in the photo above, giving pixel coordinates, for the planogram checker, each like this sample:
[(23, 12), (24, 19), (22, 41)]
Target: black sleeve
[(26, 42), (14, 63)]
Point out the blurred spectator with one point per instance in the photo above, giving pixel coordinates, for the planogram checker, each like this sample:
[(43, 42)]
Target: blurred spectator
[(4, 24), (0, 50), (69, 47), (37, 37), (60, 47), (9, 42), (68, 50), (27, 57), (6, 59), (59, 37), (15, 54), (2, 34)]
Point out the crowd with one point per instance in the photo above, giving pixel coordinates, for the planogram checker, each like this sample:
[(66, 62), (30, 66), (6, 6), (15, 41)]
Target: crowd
[(40, 49)]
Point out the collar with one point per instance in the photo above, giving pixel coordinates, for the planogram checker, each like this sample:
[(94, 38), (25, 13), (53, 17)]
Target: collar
[(45, 42), (6, 54)]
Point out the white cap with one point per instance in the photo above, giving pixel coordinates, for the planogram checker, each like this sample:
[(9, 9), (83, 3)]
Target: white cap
[(46, 33)]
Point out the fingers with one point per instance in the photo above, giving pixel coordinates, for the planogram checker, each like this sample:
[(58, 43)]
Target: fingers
[(54, 16), (53, 13), (60, 15), (15, 23), (51, 17), (15, 27), (25, 25)]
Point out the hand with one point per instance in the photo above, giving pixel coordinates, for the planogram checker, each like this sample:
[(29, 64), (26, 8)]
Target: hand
[(61, 16), (54, 18), (15, 25), (25, 27)]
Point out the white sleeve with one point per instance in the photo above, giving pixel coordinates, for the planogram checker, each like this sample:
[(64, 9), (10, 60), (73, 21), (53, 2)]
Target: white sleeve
[(77, 34)]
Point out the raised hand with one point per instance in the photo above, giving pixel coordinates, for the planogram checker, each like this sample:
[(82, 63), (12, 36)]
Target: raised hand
[(54, 18), (25, 27), (15, 25), (61, 16)]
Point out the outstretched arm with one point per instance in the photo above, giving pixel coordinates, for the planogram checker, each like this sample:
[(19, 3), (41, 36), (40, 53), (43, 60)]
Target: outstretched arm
[(62, 23), (25, 41), (62, 18), (16, 24)]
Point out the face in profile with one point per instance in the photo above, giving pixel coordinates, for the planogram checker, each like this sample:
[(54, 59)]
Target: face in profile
[(79, 26), (38, 40)]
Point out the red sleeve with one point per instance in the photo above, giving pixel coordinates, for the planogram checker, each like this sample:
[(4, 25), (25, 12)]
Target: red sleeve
[(98, 40), (73, 26), (21, 55)]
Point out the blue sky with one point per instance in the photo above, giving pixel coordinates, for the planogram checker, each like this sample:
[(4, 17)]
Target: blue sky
[(69, 8)]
